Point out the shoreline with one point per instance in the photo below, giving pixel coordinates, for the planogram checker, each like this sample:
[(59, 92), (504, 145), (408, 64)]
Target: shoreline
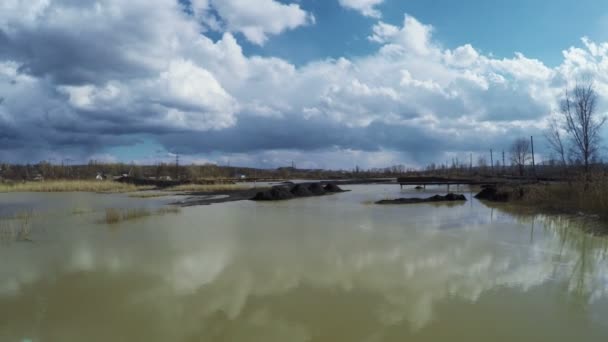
[(571, 200), (208, 198)]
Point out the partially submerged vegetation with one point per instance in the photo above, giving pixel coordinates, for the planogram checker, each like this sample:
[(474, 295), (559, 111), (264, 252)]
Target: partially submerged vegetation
[(580, 197), (69, 186), (17, 227), (586, 196), (114, 216)]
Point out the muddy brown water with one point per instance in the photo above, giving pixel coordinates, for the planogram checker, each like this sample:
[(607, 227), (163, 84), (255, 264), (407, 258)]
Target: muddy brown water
[(332, 268)]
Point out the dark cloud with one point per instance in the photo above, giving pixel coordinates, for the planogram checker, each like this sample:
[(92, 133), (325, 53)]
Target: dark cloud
[(254, 134)]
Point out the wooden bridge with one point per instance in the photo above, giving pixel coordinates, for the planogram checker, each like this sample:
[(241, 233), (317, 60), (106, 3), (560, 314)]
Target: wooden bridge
[(424, 181)]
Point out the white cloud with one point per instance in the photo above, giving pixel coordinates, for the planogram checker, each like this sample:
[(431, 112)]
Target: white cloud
[(195, 98), (161, 75), (255, 22), (366, 7), (463, 56), (413, 36)]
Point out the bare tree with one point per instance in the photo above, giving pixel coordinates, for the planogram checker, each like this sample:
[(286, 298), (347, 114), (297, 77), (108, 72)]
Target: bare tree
[(554, 137), (581, 123), (520, 154)]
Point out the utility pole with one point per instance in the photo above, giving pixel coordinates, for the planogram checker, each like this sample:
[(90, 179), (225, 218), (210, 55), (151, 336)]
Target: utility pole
[(492, 160), (176, 166), (533, 162), (503, 161), (471, 163)]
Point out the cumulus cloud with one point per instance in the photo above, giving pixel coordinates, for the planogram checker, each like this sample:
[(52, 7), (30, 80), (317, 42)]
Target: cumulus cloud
[(414, 35), (255, 22), (366, 7), (145, 68)]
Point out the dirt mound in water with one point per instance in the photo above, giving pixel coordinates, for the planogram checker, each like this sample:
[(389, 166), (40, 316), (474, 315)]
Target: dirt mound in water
[(491, 193), (451, 197), (331, 187), (454, 197), (301, 190), (277, 193), (316, 189)]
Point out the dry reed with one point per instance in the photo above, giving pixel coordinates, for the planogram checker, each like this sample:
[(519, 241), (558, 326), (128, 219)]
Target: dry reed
[(581, 196), (69, 186), (114, 216), (17, 227)]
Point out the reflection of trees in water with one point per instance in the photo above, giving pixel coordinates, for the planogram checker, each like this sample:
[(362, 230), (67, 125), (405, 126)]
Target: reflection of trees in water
[(589, 252), (578, 251)]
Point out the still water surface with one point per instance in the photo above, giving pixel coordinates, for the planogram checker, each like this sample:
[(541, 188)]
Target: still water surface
[(335, 268)]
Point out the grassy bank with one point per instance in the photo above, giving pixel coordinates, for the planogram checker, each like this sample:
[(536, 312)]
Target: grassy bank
[(69, 186), (569, 198), (589, 198)]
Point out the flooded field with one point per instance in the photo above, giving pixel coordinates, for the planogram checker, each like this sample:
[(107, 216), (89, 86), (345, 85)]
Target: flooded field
[(332, 268)]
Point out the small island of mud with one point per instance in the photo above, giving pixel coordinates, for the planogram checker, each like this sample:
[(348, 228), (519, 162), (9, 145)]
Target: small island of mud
[(451, 197), (502, 194), (291, 191)]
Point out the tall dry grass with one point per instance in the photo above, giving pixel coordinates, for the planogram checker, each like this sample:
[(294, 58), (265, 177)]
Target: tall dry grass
[(114, 216), (70, 186), (582, 195), (17, 227)]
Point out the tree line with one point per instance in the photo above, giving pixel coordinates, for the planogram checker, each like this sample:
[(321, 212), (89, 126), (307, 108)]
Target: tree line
[(573, 138)]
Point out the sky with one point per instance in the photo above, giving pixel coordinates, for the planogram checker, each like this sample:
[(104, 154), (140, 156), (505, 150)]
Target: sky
[(321, 83)]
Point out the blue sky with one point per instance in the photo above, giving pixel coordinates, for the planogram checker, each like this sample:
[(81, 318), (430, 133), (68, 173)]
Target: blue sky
[(539, 29), (324, 83)]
